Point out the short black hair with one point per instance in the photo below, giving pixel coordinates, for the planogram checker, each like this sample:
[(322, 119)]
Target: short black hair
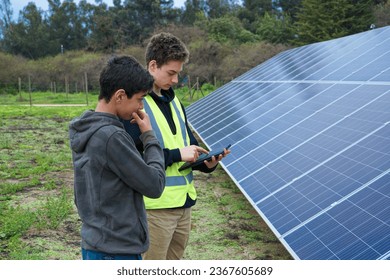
[(164, 47), (124, 72)]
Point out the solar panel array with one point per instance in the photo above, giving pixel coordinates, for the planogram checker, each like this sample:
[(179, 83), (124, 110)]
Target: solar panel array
[(310, 135)]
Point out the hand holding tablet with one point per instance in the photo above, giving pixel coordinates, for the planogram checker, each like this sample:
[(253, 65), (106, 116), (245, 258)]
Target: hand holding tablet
[(203, 157)]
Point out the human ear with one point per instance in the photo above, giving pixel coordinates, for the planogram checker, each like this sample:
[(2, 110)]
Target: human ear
[(119, 95), (152, 66)]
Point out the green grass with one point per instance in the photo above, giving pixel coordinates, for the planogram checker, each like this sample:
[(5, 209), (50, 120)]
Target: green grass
[(226, 226), (38, 218), (25, 98), (34, 150), (90, 99)]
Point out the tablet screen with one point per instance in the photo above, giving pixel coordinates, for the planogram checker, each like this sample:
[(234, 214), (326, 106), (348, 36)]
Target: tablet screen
[(202, 158)]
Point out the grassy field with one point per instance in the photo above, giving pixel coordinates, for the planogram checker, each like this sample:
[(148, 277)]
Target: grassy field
[(38, 219), (81, 98)]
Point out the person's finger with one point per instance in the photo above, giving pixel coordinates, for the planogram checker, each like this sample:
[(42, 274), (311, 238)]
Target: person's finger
[(136, 116), (201, 150), (141, 114)]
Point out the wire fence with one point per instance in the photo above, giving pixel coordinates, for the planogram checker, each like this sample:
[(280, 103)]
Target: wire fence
[(187, 91), (36, 98)]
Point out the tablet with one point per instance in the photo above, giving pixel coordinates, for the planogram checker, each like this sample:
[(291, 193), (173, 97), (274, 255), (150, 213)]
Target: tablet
[(202, 158)]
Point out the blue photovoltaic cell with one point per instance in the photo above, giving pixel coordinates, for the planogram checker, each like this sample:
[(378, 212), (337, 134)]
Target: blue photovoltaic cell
[(310, 135), (361, 222)]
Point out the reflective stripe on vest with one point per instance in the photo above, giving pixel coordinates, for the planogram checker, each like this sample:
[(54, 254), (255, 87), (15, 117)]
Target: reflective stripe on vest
[(178, 183)]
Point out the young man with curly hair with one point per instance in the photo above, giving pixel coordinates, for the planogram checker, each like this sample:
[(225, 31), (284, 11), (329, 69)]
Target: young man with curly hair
[(169, 217)]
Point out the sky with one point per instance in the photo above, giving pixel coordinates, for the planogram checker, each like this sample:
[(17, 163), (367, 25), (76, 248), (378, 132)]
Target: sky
[(18, 5)]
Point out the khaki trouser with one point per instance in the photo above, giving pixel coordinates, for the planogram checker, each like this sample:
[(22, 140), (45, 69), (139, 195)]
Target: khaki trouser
[(169, 231)]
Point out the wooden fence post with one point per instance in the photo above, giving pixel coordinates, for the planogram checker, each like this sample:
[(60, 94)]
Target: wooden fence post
[(86, 86), (66, 87), (189, 87), (29, 89), (20, 88)]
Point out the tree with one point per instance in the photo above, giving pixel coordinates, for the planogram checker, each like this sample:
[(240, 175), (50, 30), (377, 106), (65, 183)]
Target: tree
[(275, 28), (143, 16), (192, 10), (28, 36), (382, 14), (218, 8), (62, 28), (361, 15), (252, 10), (5, 19), (103, 33), (245, 57), (168, 13), (11, 68), (66, 27), (207, 57), (148, 13), (228, 29), (324, 20), (288, 7), (5, 13)]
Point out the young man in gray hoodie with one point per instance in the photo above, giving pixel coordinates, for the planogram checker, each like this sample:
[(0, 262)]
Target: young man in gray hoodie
[(110, 176)]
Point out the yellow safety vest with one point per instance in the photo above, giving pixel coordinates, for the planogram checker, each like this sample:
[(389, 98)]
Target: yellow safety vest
[(177, 183)]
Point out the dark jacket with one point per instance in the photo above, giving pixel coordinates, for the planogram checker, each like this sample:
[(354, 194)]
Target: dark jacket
[(110, 179), (170, 156)]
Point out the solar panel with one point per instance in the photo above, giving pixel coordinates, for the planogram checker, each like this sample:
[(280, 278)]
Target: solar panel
[(310, 135)]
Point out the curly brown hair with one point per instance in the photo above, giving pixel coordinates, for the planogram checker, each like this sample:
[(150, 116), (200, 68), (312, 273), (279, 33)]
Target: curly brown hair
[(164, 47)]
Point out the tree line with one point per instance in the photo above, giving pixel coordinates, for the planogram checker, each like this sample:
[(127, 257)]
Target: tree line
[(225, 37)]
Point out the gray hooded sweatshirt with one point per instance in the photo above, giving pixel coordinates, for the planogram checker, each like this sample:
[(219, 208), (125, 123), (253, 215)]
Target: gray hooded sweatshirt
[(110, 180)]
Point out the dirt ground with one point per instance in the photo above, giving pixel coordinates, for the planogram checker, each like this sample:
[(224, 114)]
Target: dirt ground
[(218, 232), (224, 223)]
